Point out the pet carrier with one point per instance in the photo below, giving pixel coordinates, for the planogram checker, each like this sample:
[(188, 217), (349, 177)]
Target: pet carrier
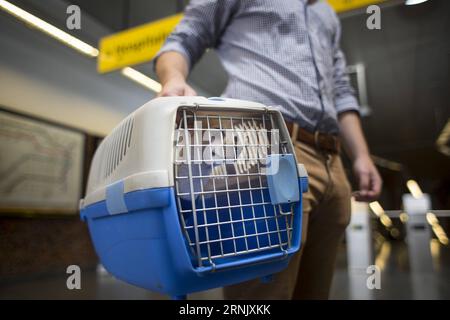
[(189, 193)]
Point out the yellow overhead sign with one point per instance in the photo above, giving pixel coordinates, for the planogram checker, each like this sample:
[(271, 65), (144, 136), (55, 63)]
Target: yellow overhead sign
[(346, 5), (136, 45)]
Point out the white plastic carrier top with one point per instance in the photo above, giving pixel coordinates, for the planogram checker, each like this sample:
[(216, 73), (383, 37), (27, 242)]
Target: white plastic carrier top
[(140, 149)]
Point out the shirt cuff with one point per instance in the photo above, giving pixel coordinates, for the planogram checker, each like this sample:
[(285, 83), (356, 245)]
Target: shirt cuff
[(347, 103), (173, 46)]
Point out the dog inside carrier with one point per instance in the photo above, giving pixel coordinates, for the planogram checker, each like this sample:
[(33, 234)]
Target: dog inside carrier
[(189, 193)]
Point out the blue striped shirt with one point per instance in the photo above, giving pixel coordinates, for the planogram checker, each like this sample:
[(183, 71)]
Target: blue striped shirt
[(282, 53)]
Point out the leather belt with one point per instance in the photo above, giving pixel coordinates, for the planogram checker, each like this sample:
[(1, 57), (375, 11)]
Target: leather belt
[(319, 140)]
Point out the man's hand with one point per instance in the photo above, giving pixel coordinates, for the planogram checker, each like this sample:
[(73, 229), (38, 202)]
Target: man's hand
[(176, 87), (368, 178), (172, 70)]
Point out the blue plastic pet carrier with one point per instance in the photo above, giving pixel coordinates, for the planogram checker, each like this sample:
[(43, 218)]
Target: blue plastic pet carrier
[(189, 193)]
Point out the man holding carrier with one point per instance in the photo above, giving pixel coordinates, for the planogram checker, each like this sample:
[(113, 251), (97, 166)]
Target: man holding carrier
[(286, 53)]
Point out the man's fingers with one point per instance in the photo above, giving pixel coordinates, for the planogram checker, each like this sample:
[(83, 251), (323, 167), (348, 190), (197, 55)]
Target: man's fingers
[(372, 193), (364, 182), (362, 198), (369, 181), (169, 93), (175, 91), (358, 197), (163, 93), (188, 91), (376, 184)]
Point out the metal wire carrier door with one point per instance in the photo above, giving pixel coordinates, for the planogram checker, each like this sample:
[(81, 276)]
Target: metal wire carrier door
[(221, 186)]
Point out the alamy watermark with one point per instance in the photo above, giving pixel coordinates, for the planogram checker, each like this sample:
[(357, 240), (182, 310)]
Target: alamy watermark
[(73, 281), (374, 279), (373, 22), (73, 21), (245, 147)]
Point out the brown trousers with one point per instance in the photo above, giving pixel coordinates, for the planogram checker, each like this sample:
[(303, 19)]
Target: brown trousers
[(326, 214)]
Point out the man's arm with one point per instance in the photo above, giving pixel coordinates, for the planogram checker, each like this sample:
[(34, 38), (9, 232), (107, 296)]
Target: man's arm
[(355, 145), (367, 176), (202, 26)]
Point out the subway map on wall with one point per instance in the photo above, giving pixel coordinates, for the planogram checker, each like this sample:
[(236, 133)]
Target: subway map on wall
[(40, 165)]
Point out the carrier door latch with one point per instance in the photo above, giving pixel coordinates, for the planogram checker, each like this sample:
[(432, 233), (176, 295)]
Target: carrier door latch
[(282, 178)]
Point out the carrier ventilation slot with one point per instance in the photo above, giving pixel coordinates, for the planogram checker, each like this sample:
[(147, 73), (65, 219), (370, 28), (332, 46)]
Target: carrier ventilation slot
[(116, 147)]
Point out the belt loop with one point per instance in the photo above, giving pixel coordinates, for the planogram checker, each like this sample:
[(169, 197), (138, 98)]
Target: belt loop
[(316, 139), (294, 134)]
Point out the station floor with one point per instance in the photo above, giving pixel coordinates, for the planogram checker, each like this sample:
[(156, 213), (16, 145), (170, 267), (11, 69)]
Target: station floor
[(398, 281)]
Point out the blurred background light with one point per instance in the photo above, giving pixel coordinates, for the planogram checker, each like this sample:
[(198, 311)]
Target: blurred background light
[(414, 189), (413, 2)]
